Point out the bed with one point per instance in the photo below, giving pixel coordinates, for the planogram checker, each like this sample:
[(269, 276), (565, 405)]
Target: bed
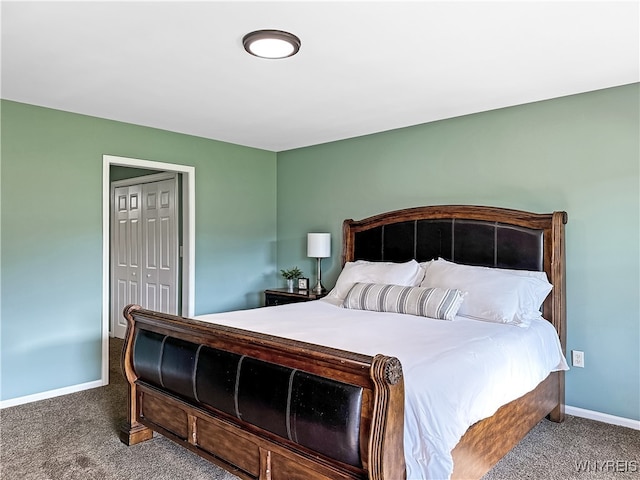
[(258, 393)]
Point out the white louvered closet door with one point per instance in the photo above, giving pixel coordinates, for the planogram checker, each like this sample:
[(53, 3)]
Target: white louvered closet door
[(144, 250)]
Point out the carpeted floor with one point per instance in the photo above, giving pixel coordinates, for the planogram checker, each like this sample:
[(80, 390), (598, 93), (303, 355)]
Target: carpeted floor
[(75, 437), (577, 449)]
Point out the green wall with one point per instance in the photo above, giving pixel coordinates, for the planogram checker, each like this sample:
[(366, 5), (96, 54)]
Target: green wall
[(577, 153), (51, 227)]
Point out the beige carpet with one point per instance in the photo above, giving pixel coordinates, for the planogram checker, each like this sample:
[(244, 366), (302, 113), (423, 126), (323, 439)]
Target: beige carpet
[(75, 437), (577, 449)]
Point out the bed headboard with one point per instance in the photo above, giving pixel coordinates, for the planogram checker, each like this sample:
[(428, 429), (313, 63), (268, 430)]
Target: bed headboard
[(472, 235)]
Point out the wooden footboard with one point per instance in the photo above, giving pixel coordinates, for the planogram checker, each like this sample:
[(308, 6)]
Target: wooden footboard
[(260, 406)]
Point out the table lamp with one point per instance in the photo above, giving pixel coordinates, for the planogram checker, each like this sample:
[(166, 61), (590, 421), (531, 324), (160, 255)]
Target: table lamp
[(319, 247)]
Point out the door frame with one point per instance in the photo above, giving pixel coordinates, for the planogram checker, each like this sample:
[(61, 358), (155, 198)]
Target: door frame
[(188, 238)]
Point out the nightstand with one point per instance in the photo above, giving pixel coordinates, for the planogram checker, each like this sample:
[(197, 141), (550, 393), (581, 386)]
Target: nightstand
[(282, 296)]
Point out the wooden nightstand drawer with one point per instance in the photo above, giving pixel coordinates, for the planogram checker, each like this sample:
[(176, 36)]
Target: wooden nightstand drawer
[(282, 296)]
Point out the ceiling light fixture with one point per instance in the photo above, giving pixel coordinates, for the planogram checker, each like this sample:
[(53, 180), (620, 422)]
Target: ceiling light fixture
[(271, 44)]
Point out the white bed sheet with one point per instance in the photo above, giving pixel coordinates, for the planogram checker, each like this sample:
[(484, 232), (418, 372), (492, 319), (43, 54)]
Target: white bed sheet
[(455, 372)]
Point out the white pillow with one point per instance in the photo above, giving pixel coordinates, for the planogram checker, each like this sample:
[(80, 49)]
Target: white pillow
[(493, 294), (408, 274), (423, 266)]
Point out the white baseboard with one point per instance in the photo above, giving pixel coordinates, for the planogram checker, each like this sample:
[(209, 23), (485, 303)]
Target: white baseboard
[(602, 417), (12, 402)]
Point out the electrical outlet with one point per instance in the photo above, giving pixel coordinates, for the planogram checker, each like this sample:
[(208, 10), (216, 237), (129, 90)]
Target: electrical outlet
[(577, 358)]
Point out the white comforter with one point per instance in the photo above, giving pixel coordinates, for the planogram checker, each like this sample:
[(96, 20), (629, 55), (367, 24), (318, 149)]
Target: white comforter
[(455, 372)]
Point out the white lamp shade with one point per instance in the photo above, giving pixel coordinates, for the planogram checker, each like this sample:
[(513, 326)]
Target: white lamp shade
[(318, 245)]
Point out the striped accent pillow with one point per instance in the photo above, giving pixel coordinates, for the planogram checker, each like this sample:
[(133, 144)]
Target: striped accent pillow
[(438, 303)]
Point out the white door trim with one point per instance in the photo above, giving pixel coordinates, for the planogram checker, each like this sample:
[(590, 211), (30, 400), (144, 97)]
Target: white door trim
[(188, 252)]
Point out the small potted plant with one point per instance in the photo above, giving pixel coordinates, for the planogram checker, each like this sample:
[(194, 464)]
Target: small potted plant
[(291, 274)]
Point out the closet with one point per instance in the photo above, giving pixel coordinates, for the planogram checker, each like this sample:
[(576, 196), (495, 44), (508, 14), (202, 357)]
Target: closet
[(144, 246)]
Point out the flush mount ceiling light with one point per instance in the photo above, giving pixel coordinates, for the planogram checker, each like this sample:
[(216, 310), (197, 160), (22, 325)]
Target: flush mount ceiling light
[(271, 44)]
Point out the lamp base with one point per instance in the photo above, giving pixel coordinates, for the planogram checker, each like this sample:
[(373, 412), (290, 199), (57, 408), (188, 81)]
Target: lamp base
[(319, 289)]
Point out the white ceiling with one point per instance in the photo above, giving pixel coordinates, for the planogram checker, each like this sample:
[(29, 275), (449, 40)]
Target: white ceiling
[(363, 67)]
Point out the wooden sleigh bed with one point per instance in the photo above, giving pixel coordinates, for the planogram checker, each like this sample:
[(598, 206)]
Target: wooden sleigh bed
[(313, 412)]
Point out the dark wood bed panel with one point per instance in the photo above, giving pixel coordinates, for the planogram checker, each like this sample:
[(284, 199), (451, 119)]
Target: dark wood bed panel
[(467, 234)]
